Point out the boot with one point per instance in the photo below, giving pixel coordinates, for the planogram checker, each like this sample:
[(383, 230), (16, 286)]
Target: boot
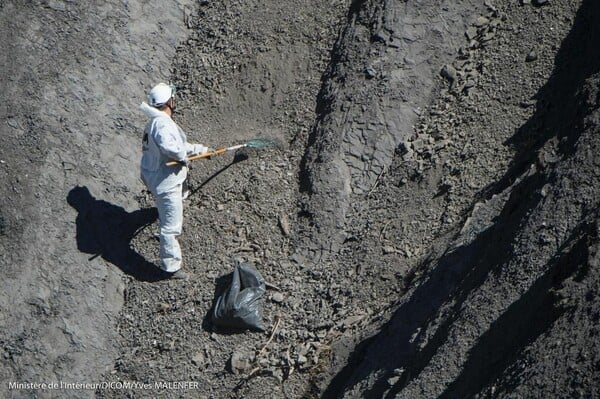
[(179, 275)]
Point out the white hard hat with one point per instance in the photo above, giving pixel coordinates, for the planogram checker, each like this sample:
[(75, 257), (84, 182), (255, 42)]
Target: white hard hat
[(160, 94)]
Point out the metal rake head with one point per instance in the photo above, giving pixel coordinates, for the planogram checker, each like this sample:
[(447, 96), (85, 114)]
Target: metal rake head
[(260, 143)]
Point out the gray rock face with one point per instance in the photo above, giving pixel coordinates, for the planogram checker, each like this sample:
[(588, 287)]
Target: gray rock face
[(354, 141), (438, 196), (75, 69)]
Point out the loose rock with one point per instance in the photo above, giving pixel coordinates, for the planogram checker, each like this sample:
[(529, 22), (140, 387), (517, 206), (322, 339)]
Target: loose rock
[(531, 56), (240, 362), (277, 297), (449, 72)]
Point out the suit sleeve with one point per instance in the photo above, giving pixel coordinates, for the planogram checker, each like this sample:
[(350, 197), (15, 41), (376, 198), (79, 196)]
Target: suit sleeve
[(169, 141), (193, 149)]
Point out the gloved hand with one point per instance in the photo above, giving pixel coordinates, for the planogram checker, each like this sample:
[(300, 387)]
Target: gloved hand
[(185, 162), (199, 149)]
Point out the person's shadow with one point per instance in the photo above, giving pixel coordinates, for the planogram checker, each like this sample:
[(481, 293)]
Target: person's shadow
[(106, 230)]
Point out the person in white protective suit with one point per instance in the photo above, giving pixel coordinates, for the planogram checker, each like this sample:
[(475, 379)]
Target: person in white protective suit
[(163, 142)]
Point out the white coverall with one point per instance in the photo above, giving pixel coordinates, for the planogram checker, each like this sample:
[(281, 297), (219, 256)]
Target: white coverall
[(164, 141)]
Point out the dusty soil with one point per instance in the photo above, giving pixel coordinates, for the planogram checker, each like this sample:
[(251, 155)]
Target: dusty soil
[(427, 223)]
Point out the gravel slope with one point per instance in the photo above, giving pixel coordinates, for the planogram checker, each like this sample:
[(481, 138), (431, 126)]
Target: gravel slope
[(427, 222)]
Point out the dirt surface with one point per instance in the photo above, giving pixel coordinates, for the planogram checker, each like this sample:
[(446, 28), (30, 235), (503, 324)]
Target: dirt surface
[(75, 74), (427, 223)]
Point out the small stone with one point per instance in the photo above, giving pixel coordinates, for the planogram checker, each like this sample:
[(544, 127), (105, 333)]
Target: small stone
[(408, 155), (471, 33), (393, 380), (489, 5), (527, 103), (239, 362), (442, 144), (297, 258), (404, 147), (302, 350), (351, 320), (277, 297), (481, 21), (381, 36), (449, 72), (302, 359), (540, 2), (388, 249), (545, 190), (284, 224), (370, 72), (277, 373), (488, 36), (418, 145), (531, 56), (264, 363), (545, 239), (163, 307), (469, 83), (57, 5), (198, 359)]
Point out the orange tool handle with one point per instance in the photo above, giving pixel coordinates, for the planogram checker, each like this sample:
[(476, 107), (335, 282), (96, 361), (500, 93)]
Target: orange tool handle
[(199, 156)]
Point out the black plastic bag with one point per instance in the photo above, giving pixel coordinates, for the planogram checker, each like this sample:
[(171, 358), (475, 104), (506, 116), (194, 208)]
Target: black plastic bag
[(240, 305)]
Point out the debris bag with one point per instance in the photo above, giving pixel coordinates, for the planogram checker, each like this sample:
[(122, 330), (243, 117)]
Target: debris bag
[(240, 305)]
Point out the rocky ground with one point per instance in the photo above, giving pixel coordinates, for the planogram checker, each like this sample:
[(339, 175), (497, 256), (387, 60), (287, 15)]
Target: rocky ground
[(427, 222)]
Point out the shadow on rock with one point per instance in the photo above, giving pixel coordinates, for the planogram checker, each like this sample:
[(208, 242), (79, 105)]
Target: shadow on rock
[(105, 229), (240, 155), (458, 274), (562, 100), (406, 345), (534, 313)]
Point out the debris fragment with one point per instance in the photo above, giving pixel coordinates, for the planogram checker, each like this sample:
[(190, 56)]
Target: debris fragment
[(531, 56), (449, 72), (284, 224), (240, 362), (277, 297)]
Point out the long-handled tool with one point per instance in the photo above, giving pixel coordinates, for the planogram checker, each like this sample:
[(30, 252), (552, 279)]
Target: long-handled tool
[(254, 143)]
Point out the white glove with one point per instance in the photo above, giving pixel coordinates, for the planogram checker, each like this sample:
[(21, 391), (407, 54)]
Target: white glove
[(199, 149)]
